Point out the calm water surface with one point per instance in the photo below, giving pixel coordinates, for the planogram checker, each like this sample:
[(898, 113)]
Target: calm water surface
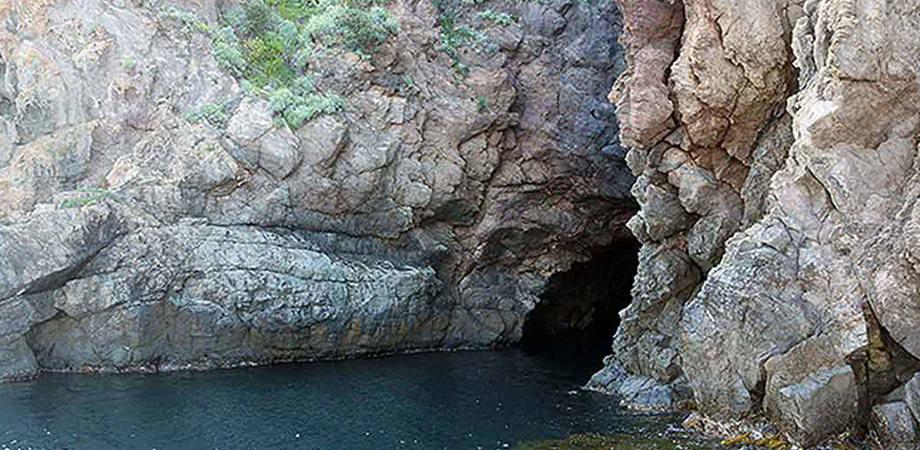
[(469, 400)]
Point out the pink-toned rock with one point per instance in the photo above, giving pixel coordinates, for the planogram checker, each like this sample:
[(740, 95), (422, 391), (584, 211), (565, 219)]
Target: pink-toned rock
[(805, 220)]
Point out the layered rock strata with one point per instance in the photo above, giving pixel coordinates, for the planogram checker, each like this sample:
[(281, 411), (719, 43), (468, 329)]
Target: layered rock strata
[(426, 215)]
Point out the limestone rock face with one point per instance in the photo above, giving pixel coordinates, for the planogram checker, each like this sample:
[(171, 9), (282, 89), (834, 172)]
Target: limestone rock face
[(428, 214), (775, 145)]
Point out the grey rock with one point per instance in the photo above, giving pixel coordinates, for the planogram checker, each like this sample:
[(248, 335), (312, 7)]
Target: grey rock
[(788, 131), (662, 214), (822, 405), (894, 426), (206, 296), (640, 393), (133, 238), (911, 397)]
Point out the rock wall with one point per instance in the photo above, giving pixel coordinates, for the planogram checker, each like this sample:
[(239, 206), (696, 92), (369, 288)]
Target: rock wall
[(775, 145), (427, 215)]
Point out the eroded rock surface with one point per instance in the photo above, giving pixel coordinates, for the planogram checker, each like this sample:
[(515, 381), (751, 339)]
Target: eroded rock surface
[(775, 145), (426, 215)]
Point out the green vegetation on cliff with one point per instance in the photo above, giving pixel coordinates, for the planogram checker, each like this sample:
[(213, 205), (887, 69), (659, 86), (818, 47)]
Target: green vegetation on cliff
[(459, 33), (270, 45), (88, 196)]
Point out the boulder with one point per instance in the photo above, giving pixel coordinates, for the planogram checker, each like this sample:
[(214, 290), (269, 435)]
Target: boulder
[(894, 426)]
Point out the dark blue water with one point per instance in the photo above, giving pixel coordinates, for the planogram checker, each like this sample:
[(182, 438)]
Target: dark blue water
[(469, 400)]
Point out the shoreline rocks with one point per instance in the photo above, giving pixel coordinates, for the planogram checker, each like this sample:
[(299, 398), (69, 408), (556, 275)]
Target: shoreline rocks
[(776, 162)]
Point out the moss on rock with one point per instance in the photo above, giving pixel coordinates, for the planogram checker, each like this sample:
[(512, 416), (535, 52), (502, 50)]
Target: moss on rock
[(602, 442)]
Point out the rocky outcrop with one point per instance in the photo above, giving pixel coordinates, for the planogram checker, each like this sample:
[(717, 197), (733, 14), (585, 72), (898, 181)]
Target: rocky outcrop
[(157, 213), (775, 145)]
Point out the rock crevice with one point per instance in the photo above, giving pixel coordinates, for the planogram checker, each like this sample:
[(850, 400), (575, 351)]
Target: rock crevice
[(780, 207)]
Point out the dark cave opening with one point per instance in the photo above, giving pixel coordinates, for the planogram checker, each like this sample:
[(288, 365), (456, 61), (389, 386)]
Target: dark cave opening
[(579, 310)]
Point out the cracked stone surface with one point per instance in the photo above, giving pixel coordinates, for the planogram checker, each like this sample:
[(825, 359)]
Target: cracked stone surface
[(775, 145), (132, 239)]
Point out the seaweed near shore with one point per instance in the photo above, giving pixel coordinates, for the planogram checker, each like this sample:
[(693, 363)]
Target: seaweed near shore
[(617, 442)]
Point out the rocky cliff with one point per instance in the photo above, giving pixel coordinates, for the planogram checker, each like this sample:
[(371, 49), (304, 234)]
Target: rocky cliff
[(198, 183), (205, 183), (775, 145)]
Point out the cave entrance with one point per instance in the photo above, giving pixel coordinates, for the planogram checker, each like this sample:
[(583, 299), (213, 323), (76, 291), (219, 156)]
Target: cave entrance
[(578, 312)]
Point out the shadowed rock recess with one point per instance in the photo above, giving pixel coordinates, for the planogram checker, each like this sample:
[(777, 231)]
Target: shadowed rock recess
[(167, 205), (578, 310), (775, 145)]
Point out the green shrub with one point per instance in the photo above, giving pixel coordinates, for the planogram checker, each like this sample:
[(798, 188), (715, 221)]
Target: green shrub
[(89, 197), (299, 103), (213, 113), (269, 45), (128, 63), (498, 18), (482, 104), (258, 17), (311, 106), (456, 35), (357, 28), (189, 21), (228, 53), (266, 61), (281, 99), (294, 10), (277, 38)]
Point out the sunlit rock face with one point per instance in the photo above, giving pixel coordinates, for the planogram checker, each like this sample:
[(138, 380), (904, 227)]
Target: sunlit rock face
[(141, 227), (775, 145)]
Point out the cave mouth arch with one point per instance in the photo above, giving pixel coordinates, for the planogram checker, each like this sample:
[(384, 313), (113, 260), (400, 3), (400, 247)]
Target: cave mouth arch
[(579, 309)]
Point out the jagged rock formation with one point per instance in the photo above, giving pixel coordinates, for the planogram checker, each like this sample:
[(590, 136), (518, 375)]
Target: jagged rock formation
[(775, 145), (427, 215)]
